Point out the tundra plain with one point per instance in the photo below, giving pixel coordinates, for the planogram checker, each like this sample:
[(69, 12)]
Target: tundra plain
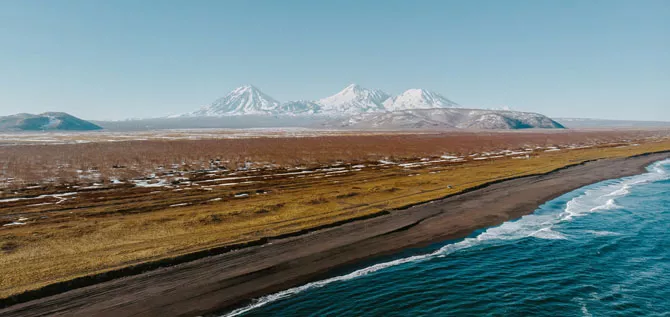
[(86, 205)]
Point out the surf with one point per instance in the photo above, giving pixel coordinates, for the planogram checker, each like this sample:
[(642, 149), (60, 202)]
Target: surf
[(542, 224)]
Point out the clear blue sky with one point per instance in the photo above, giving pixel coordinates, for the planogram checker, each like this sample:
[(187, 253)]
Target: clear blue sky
[(113, 59)]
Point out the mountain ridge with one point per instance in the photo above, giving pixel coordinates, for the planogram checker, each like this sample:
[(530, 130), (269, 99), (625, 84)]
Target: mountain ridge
[(447, 118), (352, 100)]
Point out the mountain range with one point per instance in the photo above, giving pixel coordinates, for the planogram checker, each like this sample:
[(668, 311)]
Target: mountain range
[(352, 100), (354, 107)]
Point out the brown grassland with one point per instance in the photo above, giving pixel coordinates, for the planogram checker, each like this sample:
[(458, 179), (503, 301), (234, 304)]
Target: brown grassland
[(26, 164), (54, 228)]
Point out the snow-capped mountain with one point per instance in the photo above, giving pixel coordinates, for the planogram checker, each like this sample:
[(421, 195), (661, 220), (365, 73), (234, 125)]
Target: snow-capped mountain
[(356, 107), (418, 99), (245, 100), (249, 100), (354, 99)]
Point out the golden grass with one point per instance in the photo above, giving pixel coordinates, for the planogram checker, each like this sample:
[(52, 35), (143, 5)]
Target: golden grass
[(101, 231)]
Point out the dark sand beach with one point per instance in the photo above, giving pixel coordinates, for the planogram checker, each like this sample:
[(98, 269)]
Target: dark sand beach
[(225, 281)]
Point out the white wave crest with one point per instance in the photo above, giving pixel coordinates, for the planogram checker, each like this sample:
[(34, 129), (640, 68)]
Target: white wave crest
[(602, 233), (362, 272), (533, 225), (528, 226), (548, 234), (603, 197), (609, 205)]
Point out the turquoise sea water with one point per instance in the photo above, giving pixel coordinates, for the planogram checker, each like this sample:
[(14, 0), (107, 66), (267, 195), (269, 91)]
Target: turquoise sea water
[(602, 250)]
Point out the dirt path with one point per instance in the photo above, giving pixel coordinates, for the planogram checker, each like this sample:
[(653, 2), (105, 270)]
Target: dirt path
[(221, 282)]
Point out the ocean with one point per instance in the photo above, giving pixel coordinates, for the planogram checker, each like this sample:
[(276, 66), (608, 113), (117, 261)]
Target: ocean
[(601, 250)]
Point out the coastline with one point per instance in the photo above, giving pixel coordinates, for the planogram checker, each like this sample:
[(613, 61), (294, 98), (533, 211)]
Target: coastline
[(227, 280)]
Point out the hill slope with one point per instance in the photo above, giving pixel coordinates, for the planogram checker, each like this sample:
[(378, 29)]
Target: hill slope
[(447, 118), (58, 121)]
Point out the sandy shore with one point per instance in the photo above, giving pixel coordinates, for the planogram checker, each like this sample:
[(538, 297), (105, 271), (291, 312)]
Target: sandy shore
[(228, 280)]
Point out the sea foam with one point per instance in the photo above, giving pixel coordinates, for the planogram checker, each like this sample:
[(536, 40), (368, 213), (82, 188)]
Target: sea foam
[(598, 197)]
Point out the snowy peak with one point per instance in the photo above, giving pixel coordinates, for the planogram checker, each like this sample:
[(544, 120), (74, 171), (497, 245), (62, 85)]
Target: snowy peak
[(352, 88), (354, 99), (418, 99), (243, 100)]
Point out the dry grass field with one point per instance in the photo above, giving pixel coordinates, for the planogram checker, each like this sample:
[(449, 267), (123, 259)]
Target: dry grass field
[(148, 200)]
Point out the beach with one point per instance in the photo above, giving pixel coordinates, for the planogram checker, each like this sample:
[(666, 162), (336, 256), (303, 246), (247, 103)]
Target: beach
[(223, 282)]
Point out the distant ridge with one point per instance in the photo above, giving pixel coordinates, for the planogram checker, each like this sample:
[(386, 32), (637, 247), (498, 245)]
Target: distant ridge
[(452, 118), (603, 123), (48, 121)]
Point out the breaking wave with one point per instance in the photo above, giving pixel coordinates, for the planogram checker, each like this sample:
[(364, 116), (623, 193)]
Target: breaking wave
[(599, 197)]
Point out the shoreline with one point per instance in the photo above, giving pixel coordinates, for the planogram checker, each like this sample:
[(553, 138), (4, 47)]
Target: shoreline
[(225, 281)]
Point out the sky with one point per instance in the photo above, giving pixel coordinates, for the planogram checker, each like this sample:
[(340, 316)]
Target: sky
[(111, 60)]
